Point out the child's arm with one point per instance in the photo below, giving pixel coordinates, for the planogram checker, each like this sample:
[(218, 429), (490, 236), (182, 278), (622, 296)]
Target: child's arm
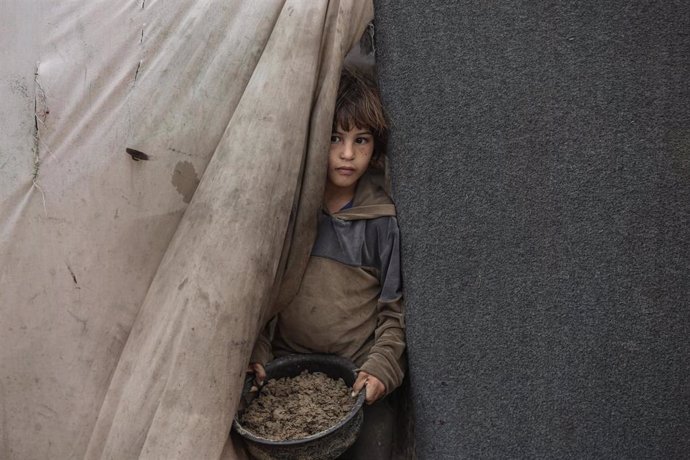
[(386, 361), (261, 354)]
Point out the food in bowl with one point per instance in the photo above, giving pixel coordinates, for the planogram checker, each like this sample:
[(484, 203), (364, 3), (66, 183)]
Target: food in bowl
[(290, 408)]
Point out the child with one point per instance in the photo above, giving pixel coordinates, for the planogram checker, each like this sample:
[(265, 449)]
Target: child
[(350, 300)]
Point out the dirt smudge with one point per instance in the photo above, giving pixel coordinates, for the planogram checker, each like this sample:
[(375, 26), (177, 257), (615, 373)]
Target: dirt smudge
[(185, 180)]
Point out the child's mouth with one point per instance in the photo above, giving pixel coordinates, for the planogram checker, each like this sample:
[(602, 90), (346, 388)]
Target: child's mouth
[(345, 171)]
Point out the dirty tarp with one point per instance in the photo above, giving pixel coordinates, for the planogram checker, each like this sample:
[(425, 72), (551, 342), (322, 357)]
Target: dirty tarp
[(129, 298)]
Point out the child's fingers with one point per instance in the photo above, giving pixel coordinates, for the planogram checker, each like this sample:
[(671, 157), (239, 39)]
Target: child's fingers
[(259, 372), (360, 383), (375, 390)]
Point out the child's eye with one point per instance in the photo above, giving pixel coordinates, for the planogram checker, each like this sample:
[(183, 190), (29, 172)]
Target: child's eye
[(335, 138), (362, 140)]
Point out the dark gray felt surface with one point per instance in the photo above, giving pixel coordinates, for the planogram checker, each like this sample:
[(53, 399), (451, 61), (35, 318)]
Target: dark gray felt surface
[(541, 167)]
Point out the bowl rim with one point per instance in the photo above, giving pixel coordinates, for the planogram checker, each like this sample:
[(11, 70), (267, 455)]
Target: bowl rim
[(242, 431)]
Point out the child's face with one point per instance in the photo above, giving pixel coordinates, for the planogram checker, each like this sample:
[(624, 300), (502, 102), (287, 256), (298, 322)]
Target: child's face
[(349, 156)]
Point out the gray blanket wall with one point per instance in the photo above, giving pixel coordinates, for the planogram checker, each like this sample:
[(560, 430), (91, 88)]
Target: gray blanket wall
[(541, 167)]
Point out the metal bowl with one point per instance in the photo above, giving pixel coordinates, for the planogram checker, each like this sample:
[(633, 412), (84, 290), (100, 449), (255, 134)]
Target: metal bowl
[(327, 444)]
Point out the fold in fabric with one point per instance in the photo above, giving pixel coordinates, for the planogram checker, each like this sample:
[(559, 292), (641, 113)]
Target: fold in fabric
[(133, 284)]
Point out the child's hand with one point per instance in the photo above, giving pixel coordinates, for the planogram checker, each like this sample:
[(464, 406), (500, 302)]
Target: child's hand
[(259, 372), (375, 389)]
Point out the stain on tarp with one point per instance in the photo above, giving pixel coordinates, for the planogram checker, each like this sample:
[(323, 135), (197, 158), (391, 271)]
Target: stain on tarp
[(137, 155), (136, 72), (74, 277), (185, 180)]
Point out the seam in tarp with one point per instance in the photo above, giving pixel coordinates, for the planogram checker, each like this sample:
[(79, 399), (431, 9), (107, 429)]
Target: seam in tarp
[(40, 113)]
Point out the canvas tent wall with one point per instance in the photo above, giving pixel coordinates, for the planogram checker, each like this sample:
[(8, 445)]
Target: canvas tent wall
[(143, 145)]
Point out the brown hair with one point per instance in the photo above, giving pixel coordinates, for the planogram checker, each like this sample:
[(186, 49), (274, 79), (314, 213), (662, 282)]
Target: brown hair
[(359, 106)]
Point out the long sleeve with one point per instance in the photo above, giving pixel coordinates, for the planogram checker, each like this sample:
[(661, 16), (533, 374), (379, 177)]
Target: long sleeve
[(386, 358), (262, 347)]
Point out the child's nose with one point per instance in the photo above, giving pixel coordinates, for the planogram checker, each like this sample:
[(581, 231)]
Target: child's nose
[(348, 151)]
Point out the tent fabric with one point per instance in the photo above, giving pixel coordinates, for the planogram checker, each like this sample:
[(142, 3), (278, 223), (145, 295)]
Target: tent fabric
[(539, 159), (161, 165)]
